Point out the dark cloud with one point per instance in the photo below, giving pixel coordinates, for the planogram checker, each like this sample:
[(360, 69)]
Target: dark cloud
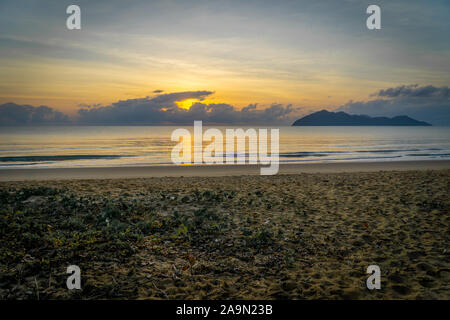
[(426, 103), (14, 114), (414, 90), (163, 109), (158, 91), (227, 114)]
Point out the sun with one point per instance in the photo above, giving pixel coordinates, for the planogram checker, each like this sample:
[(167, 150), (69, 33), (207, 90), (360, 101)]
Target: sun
[(186, 104)]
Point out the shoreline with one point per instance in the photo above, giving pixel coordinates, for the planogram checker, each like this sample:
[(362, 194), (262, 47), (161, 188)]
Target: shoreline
[(35, 174)]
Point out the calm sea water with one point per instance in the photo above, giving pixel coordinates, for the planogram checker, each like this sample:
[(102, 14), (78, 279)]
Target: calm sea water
[(94, 146)]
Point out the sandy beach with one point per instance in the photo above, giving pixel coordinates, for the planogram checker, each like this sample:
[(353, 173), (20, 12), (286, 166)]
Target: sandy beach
[(307, 233), (211, 170)]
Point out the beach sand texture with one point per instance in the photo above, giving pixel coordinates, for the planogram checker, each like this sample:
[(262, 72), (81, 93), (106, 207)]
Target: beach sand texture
[(297, 236)]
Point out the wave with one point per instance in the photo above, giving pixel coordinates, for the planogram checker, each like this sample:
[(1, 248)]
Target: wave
[(59, 158), (429, 155), (341, 159), (99, 160), (327, 153)]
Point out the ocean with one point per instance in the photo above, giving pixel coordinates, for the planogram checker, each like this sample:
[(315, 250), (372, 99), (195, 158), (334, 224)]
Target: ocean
[(100, 146)]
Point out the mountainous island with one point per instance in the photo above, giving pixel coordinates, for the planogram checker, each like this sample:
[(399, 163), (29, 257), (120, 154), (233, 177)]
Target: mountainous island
[(327, 118)]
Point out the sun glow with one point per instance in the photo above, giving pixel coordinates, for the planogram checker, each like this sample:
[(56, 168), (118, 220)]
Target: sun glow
[(186, 104)]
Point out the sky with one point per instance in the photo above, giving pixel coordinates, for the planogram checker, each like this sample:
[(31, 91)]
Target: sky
[(242, 60)]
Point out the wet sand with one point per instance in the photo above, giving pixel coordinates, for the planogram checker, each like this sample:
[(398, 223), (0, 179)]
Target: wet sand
[(290, 236), (211, 171)]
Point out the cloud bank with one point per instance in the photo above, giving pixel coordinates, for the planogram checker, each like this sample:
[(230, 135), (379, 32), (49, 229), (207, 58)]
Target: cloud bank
[(159, 110), (425, 103), (415, 91), (14, 114), (163, 109)]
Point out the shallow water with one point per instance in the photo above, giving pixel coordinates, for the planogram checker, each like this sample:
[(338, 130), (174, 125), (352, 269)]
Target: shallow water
[(93, 146)]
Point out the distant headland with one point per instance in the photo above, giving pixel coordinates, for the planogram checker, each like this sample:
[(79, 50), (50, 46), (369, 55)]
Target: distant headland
[(327, 118)]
